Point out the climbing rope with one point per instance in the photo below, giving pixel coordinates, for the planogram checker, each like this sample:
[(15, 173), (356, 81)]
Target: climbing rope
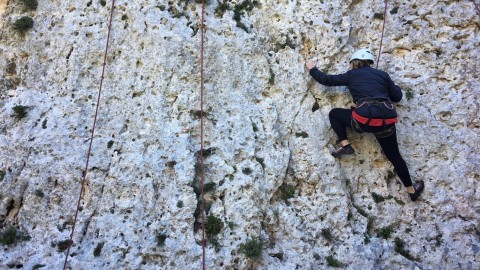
[(476, 5), (202, 133), (84, 174), (383, 31)]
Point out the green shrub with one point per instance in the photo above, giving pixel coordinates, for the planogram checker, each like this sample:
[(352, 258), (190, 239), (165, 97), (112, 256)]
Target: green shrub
[(63, 245), (161, 239), (252, 248), (287, 191), (207, 187), (8, 236), (11, 235), (247, 171), (385, 232), (213, 225), (378, 16), (39, 193), (332, 262), (110, 144), (400, 248), (23, 24), (103, 3), (98, 249), (19, 111), (2, 175), (377, 197), (409, 93), (30, 4), (221, 8)]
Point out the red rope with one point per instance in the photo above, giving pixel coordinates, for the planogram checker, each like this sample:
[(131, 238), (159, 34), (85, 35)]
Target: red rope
[(201, 133), (476, 5), (91, 137), (383, 30)]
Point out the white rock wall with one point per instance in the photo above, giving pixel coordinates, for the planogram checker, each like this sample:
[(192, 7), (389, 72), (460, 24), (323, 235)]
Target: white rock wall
[(262, 131)]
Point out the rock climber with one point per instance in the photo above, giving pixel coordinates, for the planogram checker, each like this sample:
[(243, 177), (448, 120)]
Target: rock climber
[(373, 92)]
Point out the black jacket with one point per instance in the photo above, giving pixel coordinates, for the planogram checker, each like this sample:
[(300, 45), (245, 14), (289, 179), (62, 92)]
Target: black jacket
[(364, 82)]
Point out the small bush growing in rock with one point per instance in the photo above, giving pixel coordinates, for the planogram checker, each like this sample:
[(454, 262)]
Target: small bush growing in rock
[(11, 235), (23, 24), (332, 262), (180, 204), (400, 248), (209, 187), (287, 191), (252, 249), (213, 225), (8, 236), (103, 3), (385, 232), (2, 175), (161, 237), (39, 193), (63, 245), (19, 111), (377, 197), (222, 7), (378, 16), (30, 4), (98, 249), (409, 94)]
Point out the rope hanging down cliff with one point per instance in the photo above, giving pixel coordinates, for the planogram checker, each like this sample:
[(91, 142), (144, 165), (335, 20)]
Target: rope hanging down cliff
[(383, 31), (202, 133), (84, 174)]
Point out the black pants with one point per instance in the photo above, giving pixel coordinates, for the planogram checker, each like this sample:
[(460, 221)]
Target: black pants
[(340, 119)]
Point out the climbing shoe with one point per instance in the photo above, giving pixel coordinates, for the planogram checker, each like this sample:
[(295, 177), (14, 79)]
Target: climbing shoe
[(418, 186), (343, 150)]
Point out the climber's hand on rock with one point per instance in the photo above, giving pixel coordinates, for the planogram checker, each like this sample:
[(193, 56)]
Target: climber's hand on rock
[(310, 64)]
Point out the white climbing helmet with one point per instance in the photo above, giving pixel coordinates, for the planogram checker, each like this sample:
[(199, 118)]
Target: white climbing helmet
[(363, 54)]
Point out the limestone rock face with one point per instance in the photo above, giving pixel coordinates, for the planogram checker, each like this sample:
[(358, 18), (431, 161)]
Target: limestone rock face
[(267, 162)]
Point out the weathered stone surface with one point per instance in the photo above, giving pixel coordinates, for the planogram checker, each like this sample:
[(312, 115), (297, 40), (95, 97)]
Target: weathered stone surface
[(266, 127)]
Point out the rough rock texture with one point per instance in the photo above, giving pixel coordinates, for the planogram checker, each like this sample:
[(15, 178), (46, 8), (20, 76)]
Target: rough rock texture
[(266, 131)]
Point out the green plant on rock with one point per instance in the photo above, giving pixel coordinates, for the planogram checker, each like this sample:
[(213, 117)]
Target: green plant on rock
[(400, 248), (19, 111), (213, 226), (333, 262), (98, 249), (39, 193), (287, 191), (252, 248), (8, 236), (2, 175), (385, 232), (23, 24), (63, 245), (409, 93), (11, 235), (161, 237), (377, 198), (30, 4), (222, 7)]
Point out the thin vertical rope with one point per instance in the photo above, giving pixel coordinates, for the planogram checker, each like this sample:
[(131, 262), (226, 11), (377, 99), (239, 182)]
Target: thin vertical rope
[(476, 5), (202, 133), (91, 137), (383, 31)]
